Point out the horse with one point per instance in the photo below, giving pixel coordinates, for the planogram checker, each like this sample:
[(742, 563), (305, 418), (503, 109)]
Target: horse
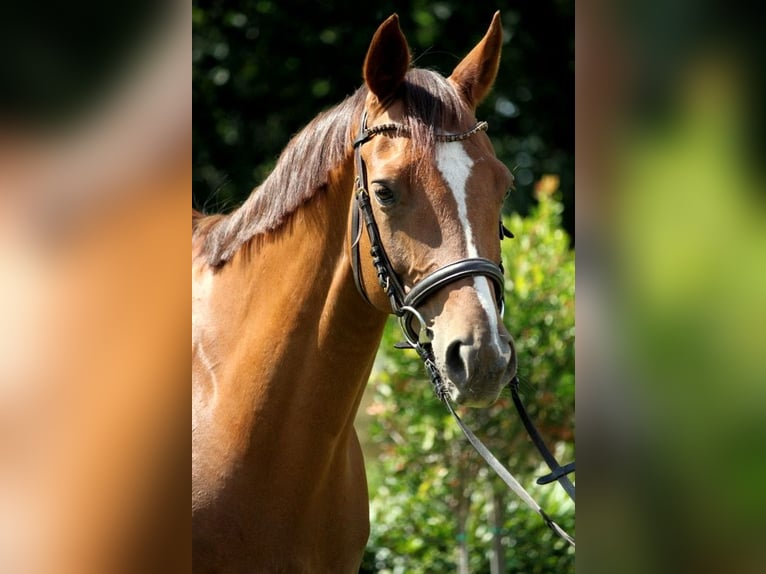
[(288, 309)]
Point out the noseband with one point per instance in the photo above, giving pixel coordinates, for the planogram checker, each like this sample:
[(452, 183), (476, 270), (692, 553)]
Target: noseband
[(405, 304)]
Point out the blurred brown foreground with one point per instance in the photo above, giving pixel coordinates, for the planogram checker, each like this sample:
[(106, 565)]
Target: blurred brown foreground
[(94, 327)]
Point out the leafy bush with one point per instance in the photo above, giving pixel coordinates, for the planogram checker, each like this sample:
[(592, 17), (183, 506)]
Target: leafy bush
[(430, 492)]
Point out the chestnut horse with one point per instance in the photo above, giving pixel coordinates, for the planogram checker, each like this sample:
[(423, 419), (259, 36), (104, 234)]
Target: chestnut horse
[(283, 339)]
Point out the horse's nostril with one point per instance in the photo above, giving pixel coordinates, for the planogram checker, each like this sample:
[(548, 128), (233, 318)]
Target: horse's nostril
[(454, 362)]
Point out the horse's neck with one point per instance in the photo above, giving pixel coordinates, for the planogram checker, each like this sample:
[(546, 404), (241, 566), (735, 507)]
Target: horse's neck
[(286, 339)]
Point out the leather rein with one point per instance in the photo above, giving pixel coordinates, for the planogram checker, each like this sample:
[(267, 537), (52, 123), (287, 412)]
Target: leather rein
[(404, 306)]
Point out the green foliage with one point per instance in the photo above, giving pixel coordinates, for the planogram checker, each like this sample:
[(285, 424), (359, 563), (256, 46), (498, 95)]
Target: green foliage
[(427, 475)]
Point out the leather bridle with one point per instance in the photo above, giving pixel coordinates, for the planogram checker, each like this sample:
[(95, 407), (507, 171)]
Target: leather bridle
[(404, 304)]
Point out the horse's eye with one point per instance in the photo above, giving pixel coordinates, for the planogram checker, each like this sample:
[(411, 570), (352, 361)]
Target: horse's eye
[(384, 195)]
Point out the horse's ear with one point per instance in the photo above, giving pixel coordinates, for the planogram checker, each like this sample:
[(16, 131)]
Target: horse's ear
[(475, 75), (387, 60)]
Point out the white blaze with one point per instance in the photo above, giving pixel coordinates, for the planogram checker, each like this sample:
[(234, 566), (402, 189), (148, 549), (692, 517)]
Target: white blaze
[(455, 165)]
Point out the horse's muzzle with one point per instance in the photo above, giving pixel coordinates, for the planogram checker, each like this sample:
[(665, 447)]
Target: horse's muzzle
[(477, 369)]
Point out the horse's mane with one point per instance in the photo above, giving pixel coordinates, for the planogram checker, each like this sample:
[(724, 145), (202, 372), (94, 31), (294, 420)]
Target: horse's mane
[(430, 104)]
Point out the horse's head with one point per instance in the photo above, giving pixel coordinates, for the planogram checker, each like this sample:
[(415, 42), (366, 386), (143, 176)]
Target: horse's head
[(435, 192)]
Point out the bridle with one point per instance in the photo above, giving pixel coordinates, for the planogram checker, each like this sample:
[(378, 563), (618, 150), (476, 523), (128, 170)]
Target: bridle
[(404, 305)]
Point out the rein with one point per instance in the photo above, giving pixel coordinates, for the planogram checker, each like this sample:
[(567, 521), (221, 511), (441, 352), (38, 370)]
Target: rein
[(404, 306)]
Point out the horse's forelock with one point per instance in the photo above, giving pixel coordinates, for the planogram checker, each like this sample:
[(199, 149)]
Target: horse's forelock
[(431, 105)]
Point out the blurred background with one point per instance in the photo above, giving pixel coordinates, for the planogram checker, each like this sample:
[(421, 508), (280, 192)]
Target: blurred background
[(95, 141), (671, 310), (262, 70)]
